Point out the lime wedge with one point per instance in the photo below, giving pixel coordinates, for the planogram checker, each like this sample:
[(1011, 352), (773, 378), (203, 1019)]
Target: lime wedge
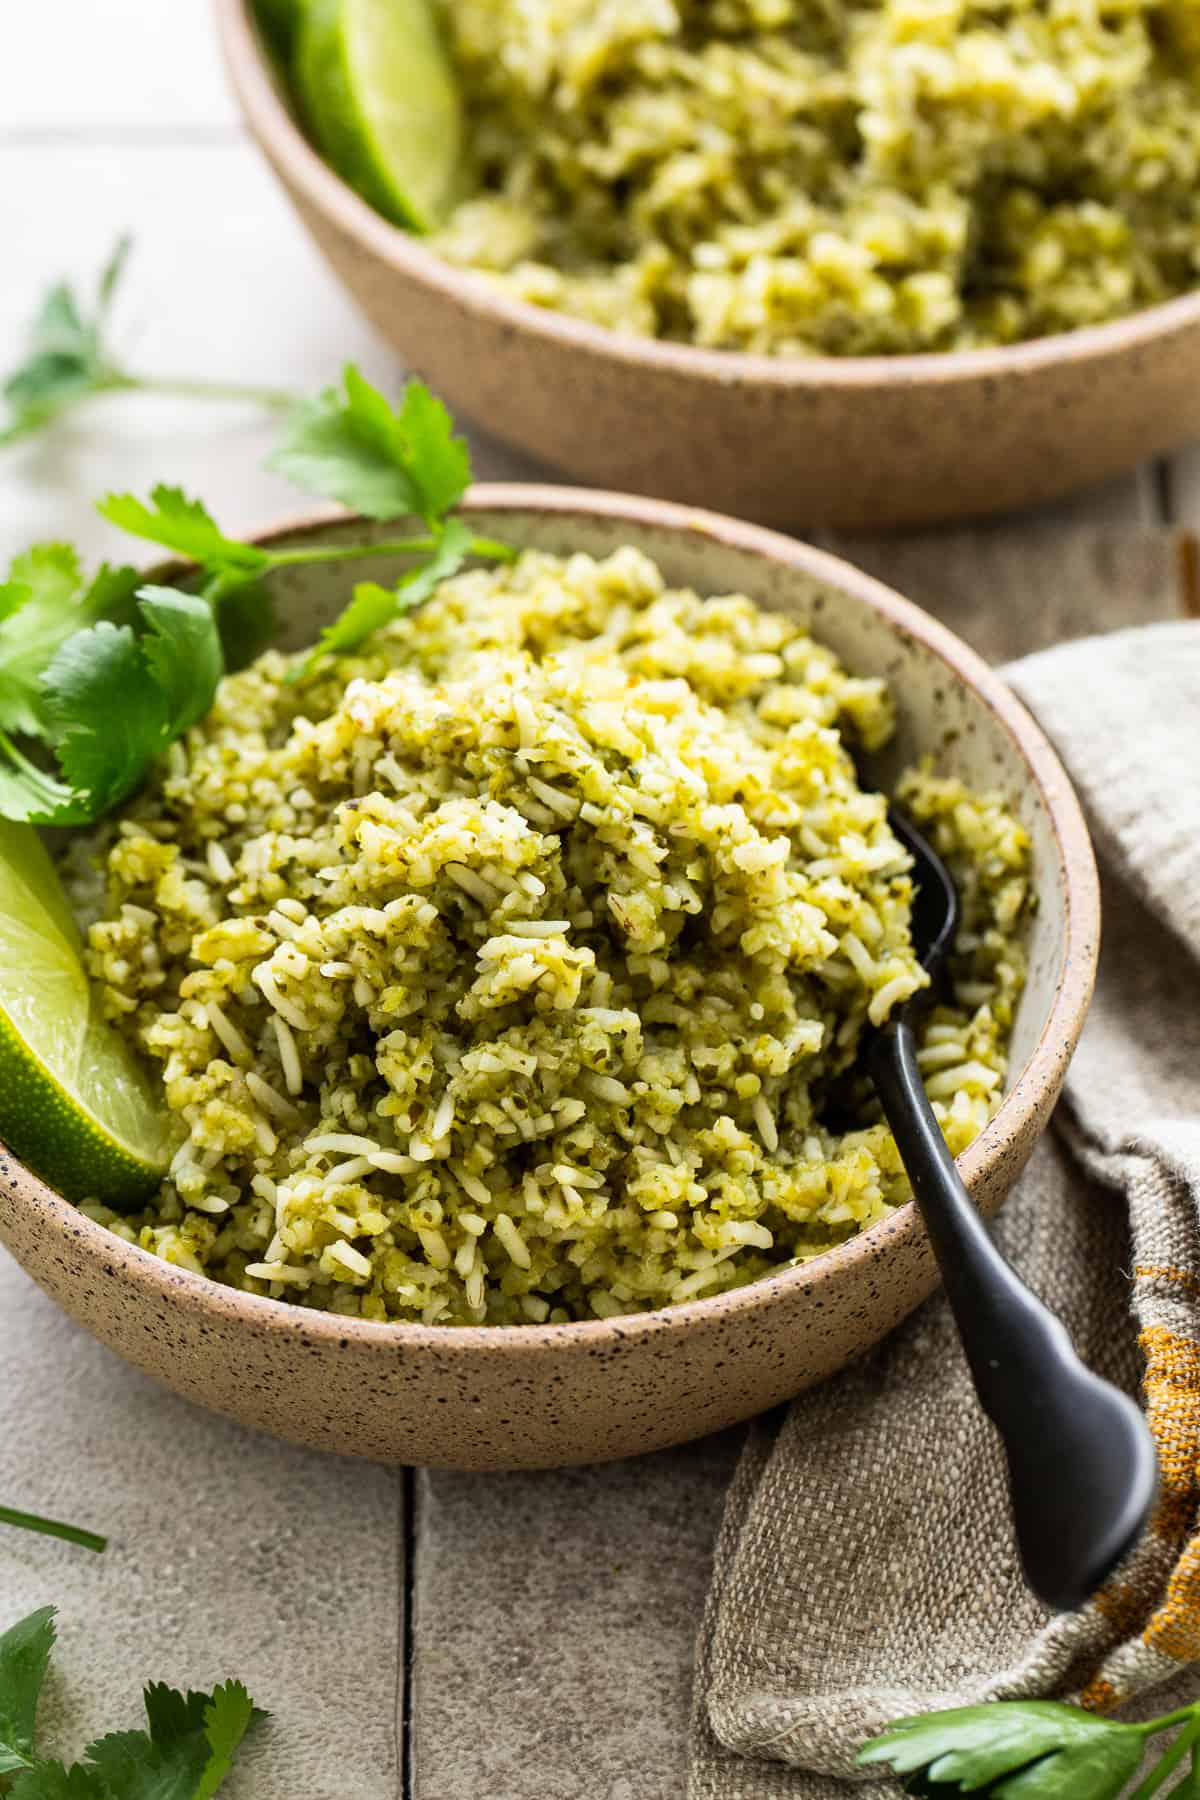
[(279, 21), (379, 90), (74, 1104)]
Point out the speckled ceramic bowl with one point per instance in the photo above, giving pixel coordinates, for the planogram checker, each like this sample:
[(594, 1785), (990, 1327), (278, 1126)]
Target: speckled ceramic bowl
[(864, 441), (528, 1396)]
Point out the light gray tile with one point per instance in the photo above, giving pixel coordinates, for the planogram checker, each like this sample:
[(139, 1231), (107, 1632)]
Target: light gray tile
[(1128, 500), (1183, 487), (229, 1555), (1012, 589), (554, 1623), (80, 66)]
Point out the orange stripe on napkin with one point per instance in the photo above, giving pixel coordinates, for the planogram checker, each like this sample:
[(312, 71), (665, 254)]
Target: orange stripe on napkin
[(1173, 1410), (1172, 1383)]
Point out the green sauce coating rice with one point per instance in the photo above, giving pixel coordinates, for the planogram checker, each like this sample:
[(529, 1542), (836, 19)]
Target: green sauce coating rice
[(513, 970)]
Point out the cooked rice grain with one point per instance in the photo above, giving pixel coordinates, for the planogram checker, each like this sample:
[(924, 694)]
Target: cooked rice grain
[(550, 931), (851, 177)]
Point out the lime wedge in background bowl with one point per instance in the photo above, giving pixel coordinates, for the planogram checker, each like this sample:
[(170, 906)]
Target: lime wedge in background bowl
[(74, 1104), (279, 22), (381, 98)]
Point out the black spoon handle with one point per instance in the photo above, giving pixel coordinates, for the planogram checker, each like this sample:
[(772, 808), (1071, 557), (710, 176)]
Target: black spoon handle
[(1081, 1462)]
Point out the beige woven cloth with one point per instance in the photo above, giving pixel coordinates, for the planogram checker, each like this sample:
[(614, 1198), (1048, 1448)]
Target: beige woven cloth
[(865, 1567)]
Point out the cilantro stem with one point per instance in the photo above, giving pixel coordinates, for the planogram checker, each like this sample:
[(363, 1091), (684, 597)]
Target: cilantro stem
[(276, 399), (318, 553), (72, 1534), (1186, 1741), (481, 546), (1189, 1787), (1153, 1726), (345, 552)]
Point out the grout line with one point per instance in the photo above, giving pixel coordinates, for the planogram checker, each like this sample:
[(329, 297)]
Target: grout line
[(1187, 569), (117, 137), (1162, 494), (1187, 548), (408, 1490)]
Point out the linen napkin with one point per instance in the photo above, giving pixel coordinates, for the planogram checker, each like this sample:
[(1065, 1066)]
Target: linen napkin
[(865, 1567)]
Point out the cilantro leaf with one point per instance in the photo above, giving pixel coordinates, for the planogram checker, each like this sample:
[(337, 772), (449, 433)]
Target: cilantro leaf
[(52, 571), (454, 546), (228, 1716), (66, 360), (24, 1658), (374, 606), (186, 1754), (42, 603), (105, 711), (165, 1763), (344, 448), (371, 607), (114, 702), (40, 390), (30, 795), (58, 328), (133, 1766), (13, 596), (245, 617), (74, 673), (439, 462), (45, 611), (189, 1749), (107, 674), (113, 594), (352, 446), (110, 277), (51, 1781), (1099, 1769), (184, 526), (183, 652), (172, 1715), (1046, 1751)]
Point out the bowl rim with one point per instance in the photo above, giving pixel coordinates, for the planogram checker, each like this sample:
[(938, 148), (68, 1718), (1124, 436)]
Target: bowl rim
[(1076, 876), (278, 134)]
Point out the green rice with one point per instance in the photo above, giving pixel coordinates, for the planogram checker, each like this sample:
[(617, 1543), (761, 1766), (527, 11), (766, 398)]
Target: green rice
[(515, 970), (849, 177)]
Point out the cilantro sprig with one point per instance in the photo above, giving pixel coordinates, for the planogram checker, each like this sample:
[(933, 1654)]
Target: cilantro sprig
[(1034, 1750), (100, 674), (185, 1753), (70, 360)]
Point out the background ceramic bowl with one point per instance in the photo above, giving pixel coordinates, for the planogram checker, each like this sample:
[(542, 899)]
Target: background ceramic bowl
[(534, 1396), (864, 441)]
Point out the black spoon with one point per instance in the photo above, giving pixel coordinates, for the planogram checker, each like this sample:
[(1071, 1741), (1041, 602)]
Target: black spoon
[(1081, 1463)]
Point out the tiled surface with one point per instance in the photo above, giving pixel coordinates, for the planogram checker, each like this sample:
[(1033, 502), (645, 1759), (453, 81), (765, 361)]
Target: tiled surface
[(229, 1555), (553, 1623), (118, 67), (554, 1614)]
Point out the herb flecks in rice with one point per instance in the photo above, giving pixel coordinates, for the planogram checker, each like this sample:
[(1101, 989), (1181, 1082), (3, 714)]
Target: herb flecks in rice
[(502, 973), (851, 177)]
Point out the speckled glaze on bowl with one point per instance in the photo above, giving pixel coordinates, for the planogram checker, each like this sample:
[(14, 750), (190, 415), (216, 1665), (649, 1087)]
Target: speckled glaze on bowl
[(863, 441), (542, 1395)]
